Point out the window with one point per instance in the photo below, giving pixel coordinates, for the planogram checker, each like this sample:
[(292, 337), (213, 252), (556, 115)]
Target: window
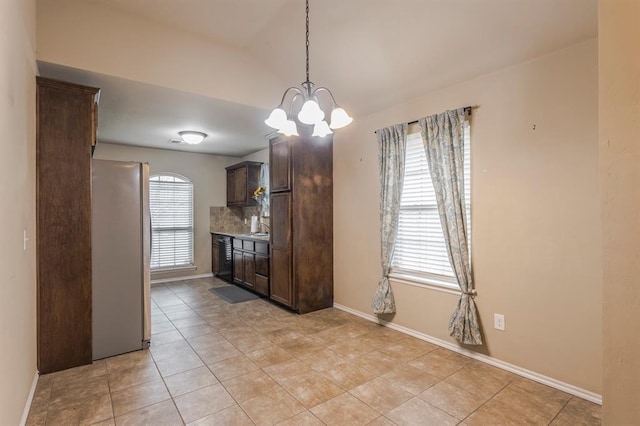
[(171, 205), (420, 249)]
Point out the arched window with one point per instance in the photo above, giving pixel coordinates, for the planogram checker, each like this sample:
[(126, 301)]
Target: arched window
[(171, 206)]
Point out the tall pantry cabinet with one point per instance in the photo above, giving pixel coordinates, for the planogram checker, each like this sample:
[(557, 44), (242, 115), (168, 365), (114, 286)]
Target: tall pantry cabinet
[(301, 179), (65, 137)]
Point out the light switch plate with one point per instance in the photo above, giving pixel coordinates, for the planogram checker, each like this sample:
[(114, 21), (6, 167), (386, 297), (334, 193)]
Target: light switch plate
[(498, 322)]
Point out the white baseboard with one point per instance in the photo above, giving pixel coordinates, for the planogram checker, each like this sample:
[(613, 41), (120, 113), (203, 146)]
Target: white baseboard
[(27, 405), (537, 377), (187, 277)]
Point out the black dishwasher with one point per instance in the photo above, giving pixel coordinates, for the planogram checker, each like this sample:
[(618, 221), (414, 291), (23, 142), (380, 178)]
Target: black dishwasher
[(225, 258)]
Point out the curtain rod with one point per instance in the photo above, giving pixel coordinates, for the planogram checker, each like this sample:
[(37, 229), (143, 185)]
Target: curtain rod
[(467, 110)]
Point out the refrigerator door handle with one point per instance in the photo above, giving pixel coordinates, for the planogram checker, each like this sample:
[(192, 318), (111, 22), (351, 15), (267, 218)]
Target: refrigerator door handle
[(146, 255)]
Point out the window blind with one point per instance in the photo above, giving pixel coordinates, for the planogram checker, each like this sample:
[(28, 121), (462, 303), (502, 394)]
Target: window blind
[(171, 207), (420, 247)]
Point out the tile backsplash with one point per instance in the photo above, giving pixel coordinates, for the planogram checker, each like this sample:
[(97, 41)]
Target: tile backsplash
[(231, 219)]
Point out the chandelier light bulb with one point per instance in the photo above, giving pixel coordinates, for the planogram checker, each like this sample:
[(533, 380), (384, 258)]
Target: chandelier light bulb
[(340, 118), (310, 113), (289, 128), (321, 129), (277, 119)]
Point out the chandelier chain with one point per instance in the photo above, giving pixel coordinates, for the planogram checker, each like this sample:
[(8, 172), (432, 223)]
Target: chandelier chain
[(307, 39)]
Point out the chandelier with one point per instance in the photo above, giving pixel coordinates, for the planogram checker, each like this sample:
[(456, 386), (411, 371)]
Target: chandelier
[(310, 113)]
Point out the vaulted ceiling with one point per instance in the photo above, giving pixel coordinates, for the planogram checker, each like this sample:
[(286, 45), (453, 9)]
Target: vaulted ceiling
[(371, 53)]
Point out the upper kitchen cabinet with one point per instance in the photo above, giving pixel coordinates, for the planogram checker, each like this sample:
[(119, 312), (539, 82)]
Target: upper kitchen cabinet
[(66, 120), (242, 179), (301, 176)]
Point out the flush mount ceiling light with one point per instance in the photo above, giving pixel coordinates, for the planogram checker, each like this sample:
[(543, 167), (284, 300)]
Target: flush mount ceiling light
[(310, 113), (192, 137)]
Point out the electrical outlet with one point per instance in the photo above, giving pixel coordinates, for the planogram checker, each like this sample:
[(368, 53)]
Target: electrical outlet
[(498, 321), (24, 240)]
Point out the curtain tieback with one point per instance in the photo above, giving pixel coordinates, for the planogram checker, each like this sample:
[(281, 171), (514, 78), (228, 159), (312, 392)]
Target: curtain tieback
[(472, 293)]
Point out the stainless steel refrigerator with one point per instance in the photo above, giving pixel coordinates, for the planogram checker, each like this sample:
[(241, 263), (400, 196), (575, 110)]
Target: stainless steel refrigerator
[(121, 227)]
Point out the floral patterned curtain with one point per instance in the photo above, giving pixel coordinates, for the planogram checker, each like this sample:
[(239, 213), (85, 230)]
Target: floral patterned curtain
[(443, 138), (392, 142)]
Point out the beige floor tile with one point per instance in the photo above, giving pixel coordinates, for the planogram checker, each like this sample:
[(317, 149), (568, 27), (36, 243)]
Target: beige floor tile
[(208, 340), (271, 408), (322, 359), (351, 348), (188, 322), (419, 412), (381, 421), (189, 381), (170, 350), (251, 385), (345, 410), (166, 337), (452, 400), (311, 388), (514, 404), (128, 360), (213, 354), (136, 375), (182, 315), (67, 393), (408, 349), (282, 335), (85, 372), (159, 327), (233, 367), (269, 356), (300, 346), (285, 370), (411, 379), (347, 375), (579, 412), (232, 416), (187, 360), (482, 382), (197, 330), (306, 418), (163, 413), (108, 422), (380, 395), (81, 412), (376, 362), (440, 363), (251, 343), (140, 396), (203, 402)]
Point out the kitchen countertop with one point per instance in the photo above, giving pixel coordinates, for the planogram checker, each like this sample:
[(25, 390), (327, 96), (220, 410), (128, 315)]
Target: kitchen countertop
[(243, 236)]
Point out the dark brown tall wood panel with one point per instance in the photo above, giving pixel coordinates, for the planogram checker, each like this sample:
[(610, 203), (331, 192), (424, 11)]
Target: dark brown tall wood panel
[(66, 119), (301, 176)]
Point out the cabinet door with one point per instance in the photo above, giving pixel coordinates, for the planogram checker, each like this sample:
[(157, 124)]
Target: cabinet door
[(249, 269), (280, 274), (262, 265), (280, 177), (238, 268), (215, 255), (240, 186)]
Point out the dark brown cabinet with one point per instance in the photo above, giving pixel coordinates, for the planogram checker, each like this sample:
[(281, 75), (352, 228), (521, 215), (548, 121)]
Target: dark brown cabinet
[(242, 179), (301, 176), (66, 120), (251, 264)]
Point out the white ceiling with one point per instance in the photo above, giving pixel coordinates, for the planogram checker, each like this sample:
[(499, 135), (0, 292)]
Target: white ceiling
[(370, 53)]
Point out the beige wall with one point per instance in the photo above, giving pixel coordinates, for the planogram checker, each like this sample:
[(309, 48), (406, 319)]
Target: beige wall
[(17, 174), (83, 34), (209, 180), (535, 215), (619, 78)]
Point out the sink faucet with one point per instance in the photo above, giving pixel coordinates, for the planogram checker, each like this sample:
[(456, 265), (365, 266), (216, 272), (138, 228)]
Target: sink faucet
[(265, 225)]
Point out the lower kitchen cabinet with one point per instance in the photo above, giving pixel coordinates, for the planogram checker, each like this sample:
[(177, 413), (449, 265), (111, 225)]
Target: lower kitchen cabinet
[(251, 264)]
